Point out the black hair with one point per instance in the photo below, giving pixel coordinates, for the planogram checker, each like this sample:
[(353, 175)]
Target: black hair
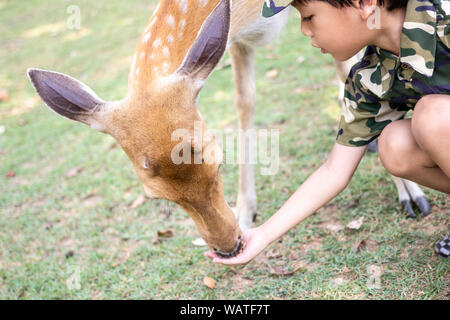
[(390, 4)]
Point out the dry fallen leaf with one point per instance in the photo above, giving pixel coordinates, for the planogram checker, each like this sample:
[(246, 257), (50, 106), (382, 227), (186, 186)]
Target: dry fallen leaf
[(210, 282), (272, 74), (11, 174), (73, 172), (165, 234), (284, 272), (333, 226), (273, 254), (356, 224), (359, 245), (4, 95), (162, 234), (138, 202), (92, 200), (199, 242)]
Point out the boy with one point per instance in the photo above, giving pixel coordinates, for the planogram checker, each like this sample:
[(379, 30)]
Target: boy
[(406, 66)]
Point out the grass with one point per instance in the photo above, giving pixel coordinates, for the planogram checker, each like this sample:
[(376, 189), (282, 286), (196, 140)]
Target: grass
[(53, 226)]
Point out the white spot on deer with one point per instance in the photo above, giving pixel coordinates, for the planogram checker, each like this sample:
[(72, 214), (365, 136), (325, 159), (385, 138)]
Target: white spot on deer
[(146, 37), (157, 43), (142, 56), (166, 52), (138, 71), (203, 3), (182, 24), (183, 4), (166, 67), (169, 39), (170, 21), (156, 70)]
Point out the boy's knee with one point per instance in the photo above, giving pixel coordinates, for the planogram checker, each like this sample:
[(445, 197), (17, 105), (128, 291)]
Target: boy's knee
[(429, 116), (395, 147)]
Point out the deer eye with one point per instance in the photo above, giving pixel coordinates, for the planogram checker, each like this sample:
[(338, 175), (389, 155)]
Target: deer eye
[(149, 166)]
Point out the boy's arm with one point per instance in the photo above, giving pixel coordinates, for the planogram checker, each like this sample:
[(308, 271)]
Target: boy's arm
[(322, 186)]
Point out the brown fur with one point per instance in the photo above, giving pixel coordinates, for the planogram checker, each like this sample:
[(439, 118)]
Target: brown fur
[(161, 100)]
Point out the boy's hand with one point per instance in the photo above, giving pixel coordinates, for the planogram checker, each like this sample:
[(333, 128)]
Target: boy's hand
[(254, 241), (322, 186)]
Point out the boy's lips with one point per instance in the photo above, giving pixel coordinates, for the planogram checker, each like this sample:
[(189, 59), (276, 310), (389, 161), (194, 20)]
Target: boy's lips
[(316, 46)]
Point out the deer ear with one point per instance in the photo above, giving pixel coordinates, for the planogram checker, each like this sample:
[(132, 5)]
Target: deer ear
[(67, 96), (210, 44)]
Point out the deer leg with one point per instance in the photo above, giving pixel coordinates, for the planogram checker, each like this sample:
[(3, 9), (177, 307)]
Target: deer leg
[(242, 60), (409, 191), (403, 196), (418, 197)]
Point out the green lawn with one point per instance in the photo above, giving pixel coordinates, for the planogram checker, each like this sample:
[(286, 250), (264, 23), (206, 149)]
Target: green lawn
[(53, 226)]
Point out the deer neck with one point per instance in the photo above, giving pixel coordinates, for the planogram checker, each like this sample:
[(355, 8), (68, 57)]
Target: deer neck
[(171, 31)]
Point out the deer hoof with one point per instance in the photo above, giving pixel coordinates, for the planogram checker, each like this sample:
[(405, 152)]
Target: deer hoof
[(407, 206), (373, 146), (423, 205)]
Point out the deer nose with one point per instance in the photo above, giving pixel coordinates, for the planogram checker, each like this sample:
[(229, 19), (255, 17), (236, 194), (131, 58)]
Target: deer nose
[(236, 250)]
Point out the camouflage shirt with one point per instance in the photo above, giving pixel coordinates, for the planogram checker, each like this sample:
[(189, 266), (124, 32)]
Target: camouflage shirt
[(382, 87)]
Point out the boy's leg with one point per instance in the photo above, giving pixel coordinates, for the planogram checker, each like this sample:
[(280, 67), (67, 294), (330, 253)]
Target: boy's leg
[(431, 128), (419, 149)]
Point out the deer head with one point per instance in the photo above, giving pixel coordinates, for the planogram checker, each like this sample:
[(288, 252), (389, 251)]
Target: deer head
[(179, 49)]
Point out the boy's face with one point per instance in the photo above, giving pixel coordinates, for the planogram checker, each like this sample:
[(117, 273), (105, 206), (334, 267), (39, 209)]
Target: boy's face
[(339, 31)]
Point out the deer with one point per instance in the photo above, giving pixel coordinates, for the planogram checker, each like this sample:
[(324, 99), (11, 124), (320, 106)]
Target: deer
[(181, 46)]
